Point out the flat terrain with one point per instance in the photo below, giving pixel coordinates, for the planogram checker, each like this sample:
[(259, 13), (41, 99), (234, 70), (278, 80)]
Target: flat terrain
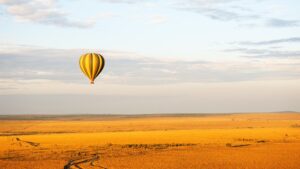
[(224, 141)]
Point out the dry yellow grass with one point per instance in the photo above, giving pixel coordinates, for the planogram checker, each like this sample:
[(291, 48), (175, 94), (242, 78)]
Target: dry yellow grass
[(262, 140)]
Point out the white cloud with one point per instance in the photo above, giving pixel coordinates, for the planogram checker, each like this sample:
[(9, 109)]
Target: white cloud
[(271, 42), (275, 22), (41, 11), (223, 10)]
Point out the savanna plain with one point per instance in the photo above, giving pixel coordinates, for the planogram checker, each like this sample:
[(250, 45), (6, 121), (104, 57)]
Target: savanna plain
[(191, 141)]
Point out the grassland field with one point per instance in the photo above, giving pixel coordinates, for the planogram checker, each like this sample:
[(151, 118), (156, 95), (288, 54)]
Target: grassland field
[(217, 141)]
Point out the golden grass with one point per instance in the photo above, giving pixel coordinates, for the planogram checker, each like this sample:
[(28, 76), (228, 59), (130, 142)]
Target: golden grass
[(219, 141)]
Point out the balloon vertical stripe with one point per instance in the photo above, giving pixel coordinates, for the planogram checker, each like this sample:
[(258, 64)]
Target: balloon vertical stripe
[(101, 62), (95, 63), (90, 64), (82, 65)]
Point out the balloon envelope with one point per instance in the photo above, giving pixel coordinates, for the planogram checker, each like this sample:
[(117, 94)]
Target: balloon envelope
[(91, 65)]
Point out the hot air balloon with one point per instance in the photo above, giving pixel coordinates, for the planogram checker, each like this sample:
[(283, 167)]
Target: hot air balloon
[(91, 65)]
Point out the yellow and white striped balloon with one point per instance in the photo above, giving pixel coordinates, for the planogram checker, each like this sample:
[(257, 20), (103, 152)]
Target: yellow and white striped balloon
[(91, 65)]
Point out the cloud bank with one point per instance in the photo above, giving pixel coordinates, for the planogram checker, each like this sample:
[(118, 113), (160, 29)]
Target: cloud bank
[(34, 63)]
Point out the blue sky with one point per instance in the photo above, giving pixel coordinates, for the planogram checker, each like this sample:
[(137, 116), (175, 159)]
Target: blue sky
[(161, 52)]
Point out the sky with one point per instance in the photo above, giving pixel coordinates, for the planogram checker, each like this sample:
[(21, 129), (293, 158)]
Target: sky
[(162, 56)]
